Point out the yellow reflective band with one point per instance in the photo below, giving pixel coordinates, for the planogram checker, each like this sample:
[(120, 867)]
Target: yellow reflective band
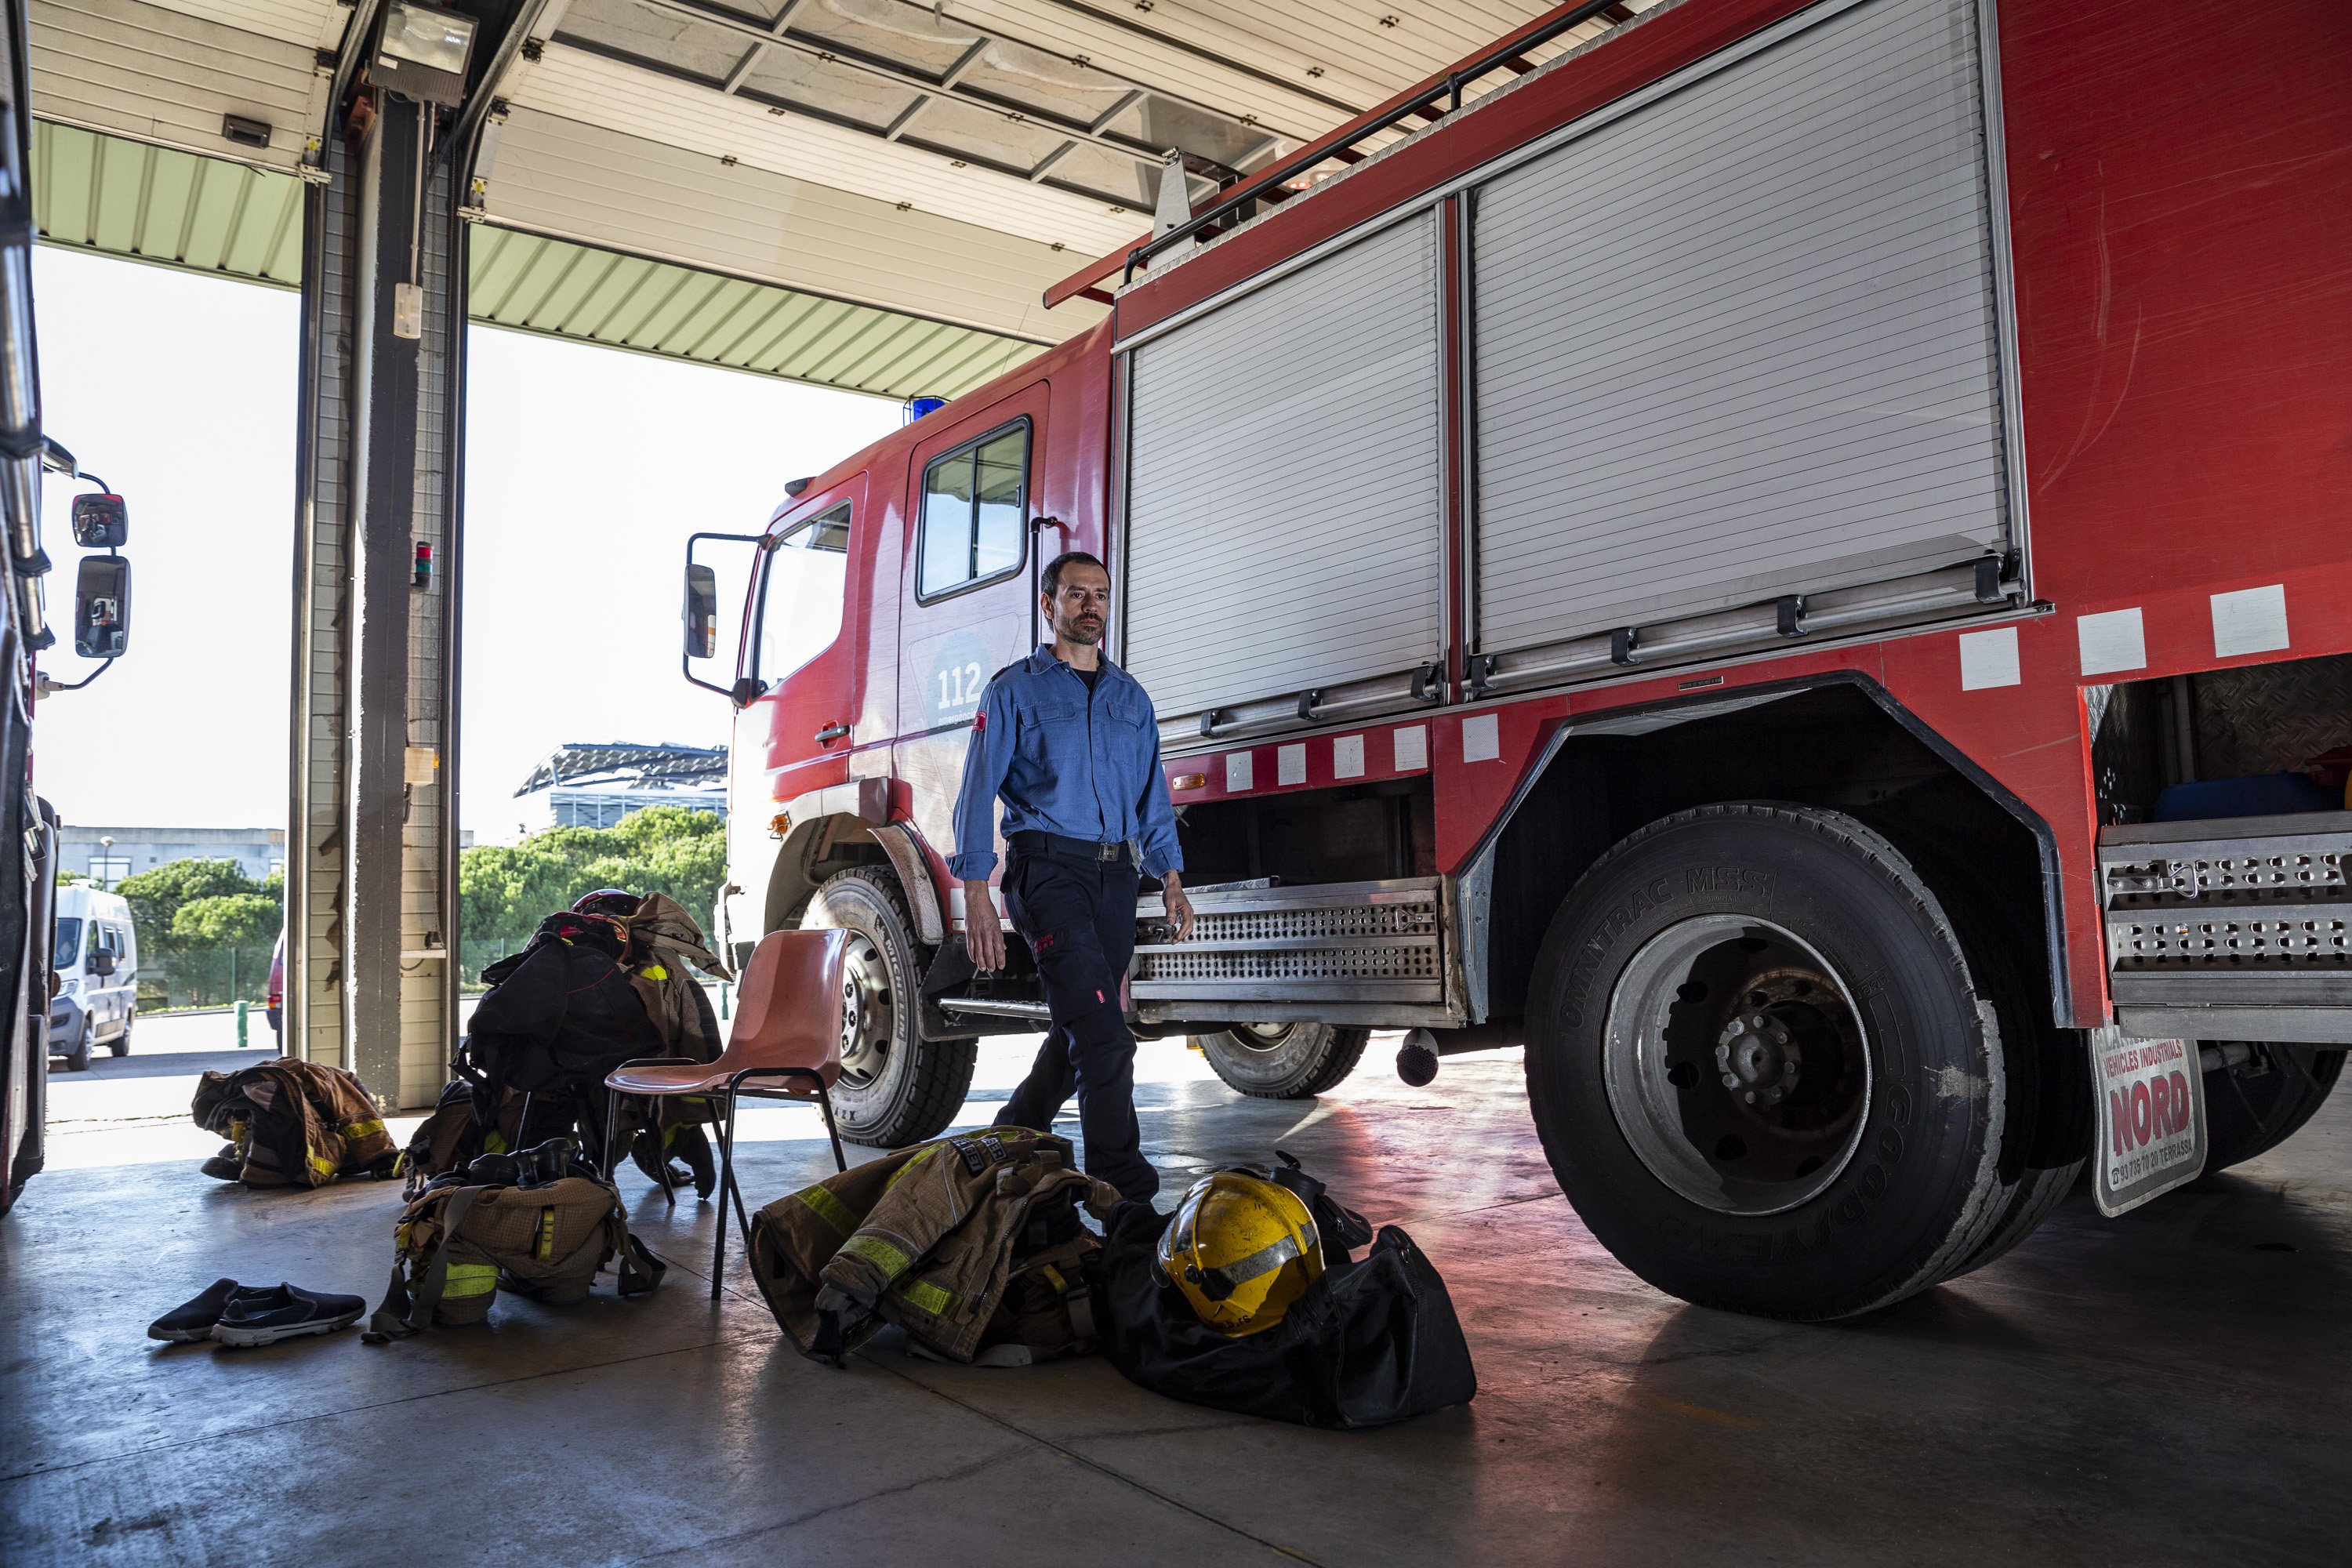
[(494, 1144), (927, 1296), (322, 1165), (363, 1129), (828, 1209), (903, 1172), (879, 1253), (654, 971), (1054, 1277), (543, 1244), (471, 1280)]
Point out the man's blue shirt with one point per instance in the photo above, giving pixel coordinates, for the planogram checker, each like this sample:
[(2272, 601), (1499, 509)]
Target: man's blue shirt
[(1085, 765)]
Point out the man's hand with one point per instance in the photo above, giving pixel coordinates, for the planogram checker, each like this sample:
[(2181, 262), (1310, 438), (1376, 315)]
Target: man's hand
[(1180, 908), (984, 937)]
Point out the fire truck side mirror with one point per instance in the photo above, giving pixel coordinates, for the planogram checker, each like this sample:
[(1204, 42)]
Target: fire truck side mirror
[(101, 522), (101, 623), (701, 611)]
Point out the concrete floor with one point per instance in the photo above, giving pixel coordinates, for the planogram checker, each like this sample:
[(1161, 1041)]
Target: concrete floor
[(2165, 1388)]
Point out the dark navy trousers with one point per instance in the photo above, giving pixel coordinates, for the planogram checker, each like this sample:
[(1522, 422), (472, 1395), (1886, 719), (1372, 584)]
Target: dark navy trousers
[(1077, 916)]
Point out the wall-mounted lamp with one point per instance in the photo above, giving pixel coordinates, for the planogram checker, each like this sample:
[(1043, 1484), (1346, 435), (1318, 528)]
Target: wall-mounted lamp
[(423, 53)]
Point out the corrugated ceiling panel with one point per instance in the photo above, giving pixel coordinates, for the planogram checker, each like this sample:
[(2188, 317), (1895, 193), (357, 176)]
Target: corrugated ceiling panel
[(165, 76), (590, 90), (144, 203), (153, 204), (317, 24), (538, 284), (1146, 49), (623, 192)]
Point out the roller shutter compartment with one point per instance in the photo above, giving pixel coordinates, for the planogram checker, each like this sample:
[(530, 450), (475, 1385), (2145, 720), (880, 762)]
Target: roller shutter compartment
[(1742, 340), (1283, 525)]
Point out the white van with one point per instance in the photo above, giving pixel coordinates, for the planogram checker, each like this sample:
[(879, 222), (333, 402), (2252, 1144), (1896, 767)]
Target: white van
[(97, 964)]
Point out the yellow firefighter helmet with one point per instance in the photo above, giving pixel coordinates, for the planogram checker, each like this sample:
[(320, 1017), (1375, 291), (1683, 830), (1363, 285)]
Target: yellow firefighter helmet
[(1241, 1250)]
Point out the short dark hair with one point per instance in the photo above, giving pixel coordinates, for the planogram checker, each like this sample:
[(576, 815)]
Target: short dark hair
[(1052, 580)]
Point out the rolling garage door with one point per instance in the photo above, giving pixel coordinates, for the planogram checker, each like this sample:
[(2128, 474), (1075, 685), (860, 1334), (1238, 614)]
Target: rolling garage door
[(1741, 341), (1283, 525)]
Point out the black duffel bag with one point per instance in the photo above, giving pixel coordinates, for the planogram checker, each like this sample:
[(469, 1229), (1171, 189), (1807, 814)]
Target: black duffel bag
[(1370, 1343)]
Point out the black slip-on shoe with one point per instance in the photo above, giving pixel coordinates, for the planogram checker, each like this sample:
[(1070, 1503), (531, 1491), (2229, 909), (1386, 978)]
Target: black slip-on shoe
[(285, 1312), (193, 1319)]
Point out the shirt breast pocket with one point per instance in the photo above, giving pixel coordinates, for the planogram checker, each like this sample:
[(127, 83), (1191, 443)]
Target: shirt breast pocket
[(1054, 730)]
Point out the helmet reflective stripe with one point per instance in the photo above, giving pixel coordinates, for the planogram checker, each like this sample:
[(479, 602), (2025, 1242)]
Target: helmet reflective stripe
[(1217, 1284)]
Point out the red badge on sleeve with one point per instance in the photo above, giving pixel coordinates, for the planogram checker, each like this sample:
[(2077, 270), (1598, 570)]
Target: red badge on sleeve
[(979, 722)]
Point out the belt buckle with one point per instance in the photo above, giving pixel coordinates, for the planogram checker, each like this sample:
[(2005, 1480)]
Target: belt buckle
[(1107, 851)]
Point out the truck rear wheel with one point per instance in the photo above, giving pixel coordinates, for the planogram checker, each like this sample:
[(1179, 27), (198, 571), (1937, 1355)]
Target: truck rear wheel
[(896, 1088), (2257, 1096), (1284, 1061), (1763, 1069)]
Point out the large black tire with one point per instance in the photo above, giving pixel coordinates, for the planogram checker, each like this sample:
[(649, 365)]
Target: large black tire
[(77, 1058), (2050, 1122), (1284, 1061), (1876, 1169), (896, 1087), (2257, 1096), (120, 1044)]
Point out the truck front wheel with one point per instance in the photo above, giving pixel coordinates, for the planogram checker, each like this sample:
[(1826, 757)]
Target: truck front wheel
[(896, 1088), (1284, 1061), (1763, 1067)]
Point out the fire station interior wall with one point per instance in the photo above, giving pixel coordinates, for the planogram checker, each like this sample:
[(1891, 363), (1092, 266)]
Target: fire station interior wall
[(1283, 517), (1741, 340)]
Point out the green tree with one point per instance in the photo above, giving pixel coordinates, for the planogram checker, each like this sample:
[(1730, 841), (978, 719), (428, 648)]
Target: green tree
[(504, 891), (157, 897), (231, 919)]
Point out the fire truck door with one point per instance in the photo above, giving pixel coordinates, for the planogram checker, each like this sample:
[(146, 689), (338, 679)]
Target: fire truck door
[(801, 723), (965, 612)]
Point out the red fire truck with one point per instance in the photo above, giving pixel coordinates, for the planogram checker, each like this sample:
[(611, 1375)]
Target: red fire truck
[(1794, 558)]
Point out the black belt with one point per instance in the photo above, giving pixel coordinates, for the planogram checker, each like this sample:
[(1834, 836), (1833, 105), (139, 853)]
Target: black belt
[(1030, 841)]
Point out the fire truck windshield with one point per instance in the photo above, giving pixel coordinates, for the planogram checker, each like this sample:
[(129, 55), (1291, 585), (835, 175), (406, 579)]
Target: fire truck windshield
[(800, 594)]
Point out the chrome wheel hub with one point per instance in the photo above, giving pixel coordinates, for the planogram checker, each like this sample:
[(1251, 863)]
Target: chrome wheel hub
[(869, 1017), (1735, 1063)]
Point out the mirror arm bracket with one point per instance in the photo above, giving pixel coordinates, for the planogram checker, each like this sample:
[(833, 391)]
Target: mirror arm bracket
[(48, 685)]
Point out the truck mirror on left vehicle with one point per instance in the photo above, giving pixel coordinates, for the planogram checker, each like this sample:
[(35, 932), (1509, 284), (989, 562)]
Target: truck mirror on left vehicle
[(701, 612), (101, 522), (102, 607)]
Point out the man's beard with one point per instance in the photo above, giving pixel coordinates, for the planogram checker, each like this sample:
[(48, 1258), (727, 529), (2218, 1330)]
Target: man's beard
[(1085, 634)]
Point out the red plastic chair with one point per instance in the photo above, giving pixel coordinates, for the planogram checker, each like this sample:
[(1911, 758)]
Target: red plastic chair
[(787, 1029)]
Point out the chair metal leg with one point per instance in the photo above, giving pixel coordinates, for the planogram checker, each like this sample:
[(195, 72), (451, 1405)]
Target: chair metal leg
[(734, 1192), (522, 1127), (726, 1184), (825, 1103)]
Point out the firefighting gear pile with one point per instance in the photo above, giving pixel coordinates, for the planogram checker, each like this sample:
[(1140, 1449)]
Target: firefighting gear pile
[(543, 1226), (972, 1243), (610, 981), (1244, 1302), (294, 1123)]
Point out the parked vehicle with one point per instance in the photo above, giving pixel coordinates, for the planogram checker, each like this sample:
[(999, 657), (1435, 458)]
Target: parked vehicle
[(1732, 558), (95, 959), (277, 1004)]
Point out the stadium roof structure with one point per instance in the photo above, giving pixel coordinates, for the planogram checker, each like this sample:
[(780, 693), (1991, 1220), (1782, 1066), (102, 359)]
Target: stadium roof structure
[(630, 764)]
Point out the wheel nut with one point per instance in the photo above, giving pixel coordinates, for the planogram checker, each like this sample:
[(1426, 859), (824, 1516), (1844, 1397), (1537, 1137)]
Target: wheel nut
[(1731, 1081)]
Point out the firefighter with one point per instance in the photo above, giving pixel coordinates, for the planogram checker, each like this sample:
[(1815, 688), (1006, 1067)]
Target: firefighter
[(1068, 740)]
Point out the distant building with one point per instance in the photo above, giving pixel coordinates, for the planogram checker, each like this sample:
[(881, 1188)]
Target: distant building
[(107, 855), (596, 786)]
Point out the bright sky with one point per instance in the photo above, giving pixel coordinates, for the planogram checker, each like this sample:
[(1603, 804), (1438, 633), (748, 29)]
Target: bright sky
[(586, 470)]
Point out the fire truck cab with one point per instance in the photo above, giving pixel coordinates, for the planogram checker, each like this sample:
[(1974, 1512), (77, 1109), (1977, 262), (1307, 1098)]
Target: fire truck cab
[(1789, 558)]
